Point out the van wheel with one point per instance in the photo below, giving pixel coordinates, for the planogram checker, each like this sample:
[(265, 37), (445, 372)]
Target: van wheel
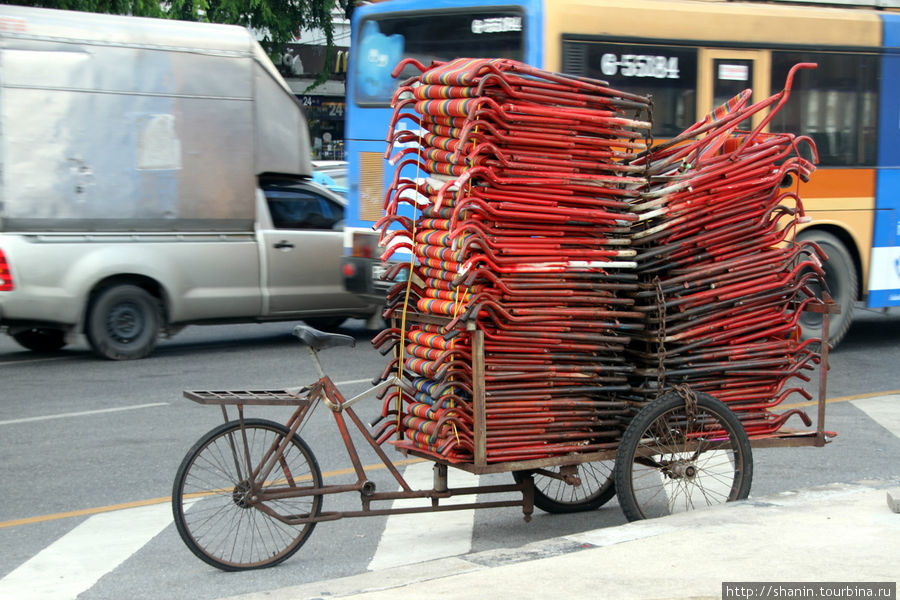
[(325, 323), (123, 323), (41, 340)]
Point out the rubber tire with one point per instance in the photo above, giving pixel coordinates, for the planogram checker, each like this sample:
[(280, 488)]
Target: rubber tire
[(555, 505), (842, 281), (325, 323), (645, 418), (184, 469), (123, 323), (41, 339)]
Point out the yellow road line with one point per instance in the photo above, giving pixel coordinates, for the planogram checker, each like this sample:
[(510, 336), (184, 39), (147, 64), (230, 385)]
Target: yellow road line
[(138, 503), (840, 399)]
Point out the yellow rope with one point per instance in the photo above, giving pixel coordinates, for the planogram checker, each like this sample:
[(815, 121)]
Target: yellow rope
[(409, 278), (459, 299)]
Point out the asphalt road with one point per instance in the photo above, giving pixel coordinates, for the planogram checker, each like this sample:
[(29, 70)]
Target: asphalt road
[(90, 449)]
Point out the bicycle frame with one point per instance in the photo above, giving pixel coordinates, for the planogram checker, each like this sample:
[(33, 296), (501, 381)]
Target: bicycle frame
[(325, 391)]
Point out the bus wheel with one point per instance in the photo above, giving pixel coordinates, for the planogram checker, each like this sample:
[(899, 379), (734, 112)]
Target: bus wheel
[(841, 279)]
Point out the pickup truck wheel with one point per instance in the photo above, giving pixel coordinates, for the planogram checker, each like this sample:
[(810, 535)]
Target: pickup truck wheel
[(325, 323), (123, 323), (41, 340)]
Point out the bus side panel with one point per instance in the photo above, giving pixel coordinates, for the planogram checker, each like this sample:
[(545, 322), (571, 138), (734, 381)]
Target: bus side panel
[(884, 274)]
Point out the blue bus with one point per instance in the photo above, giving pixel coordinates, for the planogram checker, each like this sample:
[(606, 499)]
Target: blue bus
[(689, 56)]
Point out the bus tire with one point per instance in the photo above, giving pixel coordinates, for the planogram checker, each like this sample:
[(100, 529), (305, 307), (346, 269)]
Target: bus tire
[(842, 281)]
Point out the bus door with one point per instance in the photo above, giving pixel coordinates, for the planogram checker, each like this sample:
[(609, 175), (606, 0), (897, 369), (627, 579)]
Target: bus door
[(723, 73)]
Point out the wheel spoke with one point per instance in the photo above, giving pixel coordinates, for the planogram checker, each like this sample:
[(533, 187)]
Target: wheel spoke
[(669, 462), (555, 495), (216, 507)]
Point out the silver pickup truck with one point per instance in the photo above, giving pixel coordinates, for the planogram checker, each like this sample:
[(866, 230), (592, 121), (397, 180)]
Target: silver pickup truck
[(155, 174)]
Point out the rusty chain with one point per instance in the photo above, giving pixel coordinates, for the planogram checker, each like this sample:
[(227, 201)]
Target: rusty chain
[(690, 400), (660, 338)]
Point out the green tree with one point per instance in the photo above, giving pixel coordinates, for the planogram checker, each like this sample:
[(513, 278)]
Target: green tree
[(275, 21)]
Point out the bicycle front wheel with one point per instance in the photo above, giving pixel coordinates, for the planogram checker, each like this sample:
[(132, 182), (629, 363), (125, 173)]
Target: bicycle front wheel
[(216, 491), (673, 459)]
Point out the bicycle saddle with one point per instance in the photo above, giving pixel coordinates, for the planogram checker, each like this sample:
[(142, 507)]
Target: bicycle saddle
[(318, 340)]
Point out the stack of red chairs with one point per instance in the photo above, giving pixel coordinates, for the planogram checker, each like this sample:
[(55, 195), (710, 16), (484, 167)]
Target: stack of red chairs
[(600, 271), (513, 197), (723, 283)]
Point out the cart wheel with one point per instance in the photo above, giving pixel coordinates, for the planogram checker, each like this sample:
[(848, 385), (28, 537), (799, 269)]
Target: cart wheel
[(554, 495), (668, 463), (213, 499)]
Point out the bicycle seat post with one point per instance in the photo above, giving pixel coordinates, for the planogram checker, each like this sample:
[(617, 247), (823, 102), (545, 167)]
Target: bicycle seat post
[(316, 340), (314, 355)]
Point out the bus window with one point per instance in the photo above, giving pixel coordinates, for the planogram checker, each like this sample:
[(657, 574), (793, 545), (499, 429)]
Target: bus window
[(730, 78), (668, 74), (475, 33), (835, 104)]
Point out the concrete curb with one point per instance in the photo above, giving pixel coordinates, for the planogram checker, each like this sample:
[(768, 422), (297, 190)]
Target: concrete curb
[(825, 533), (893, 499)]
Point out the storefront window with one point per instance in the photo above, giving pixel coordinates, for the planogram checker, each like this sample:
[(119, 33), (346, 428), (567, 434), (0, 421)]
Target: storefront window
[(325, 118)]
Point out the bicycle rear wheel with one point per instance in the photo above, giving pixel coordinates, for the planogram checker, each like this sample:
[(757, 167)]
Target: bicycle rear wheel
[(214, 500), (670, 461), (554, 495)]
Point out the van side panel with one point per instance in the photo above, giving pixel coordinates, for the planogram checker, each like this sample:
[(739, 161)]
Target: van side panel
[(204, 277), (132, 156), (126, 138)]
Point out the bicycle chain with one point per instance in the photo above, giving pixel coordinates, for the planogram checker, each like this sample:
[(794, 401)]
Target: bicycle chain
[(683, 390), (660, 338), (690, 400)]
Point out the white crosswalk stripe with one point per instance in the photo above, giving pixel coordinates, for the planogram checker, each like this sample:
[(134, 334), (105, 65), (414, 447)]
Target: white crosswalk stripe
[(448, 533), (885, 410), (76, 561)]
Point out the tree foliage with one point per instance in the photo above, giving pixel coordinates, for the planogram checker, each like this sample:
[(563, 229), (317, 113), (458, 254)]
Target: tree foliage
[(277, 22)]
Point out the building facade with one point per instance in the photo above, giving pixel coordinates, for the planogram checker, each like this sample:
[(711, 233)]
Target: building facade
[(300, 64)]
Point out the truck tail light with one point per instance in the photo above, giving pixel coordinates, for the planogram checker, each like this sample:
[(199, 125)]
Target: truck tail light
[(6, 281)]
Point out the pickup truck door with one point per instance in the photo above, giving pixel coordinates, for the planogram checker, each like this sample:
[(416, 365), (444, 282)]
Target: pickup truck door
[(303, 247)]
